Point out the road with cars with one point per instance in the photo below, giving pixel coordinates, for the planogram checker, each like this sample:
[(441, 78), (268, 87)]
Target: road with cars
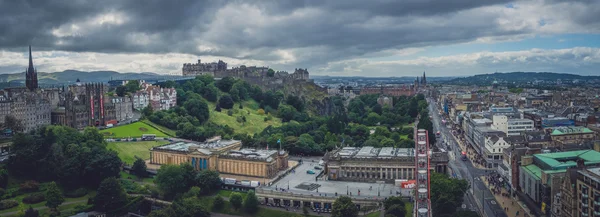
[(478, 195)]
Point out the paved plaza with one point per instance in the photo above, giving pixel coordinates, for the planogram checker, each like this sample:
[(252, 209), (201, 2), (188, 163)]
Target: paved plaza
[(299, 182)]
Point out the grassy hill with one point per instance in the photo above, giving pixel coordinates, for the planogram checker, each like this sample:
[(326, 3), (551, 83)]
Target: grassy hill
[(134, 130), (255, 122)]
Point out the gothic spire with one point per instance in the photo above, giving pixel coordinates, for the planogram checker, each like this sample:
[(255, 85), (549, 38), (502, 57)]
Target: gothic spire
[(30, 69)]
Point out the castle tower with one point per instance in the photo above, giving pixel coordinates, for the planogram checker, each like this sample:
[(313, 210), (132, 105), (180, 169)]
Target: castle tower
[(31, 81)]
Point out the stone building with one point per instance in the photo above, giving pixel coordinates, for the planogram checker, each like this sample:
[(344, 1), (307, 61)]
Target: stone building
[(195, 69), (157, 97), (571, 135), (88, 105), (224, 156), (403, 90), (369, 164)]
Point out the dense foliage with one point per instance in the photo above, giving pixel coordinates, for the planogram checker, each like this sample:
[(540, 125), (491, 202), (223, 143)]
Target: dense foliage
[(111, 195), (446, 194), (63, 154), (139, 168), (344, 207), (54, 197), (177, 179), (251, 202), (186, 206)]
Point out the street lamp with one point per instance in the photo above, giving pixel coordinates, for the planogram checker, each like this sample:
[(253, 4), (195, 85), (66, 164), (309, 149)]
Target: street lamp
[(347, 191)]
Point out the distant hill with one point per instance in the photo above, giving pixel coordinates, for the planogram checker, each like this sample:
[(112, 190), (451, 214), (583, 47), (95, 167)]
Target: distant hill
[(518, 78), (70, 76)]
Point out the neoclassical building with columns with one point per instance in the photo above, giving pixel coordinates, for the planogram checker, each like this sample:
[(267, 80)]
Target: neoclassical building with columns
[(224, 156), (369, 164)]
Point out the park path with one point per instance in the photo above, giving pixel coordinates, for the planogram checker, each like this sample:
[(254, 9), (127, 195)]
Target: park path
[(43, 207)]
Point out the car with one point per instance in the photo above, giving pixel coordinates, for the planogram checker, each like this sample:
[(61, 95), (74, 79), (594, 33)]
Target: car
[(318, 168), (310, 172)]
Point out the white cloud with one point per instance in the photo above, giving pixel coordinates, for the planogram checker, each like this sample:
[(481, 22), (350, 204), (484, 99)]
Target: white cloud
[(579, 60)]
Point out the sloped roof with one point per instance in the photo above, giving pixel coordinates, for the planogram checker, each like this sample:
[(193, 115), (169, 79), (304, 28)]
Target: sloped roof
[(570, 130)]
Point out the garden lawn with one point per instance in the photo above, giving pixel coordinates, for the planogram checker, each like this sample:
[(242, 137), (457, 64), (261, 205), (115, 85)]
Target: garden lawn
[(255, 123), (227, 193), (164, 129), (133, 130), (127, 151), (374, 214)]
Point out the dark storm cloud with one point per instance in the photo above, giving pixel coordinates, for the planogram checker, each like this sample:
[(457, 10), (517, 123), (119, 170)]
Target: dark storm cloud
[(316, 31)]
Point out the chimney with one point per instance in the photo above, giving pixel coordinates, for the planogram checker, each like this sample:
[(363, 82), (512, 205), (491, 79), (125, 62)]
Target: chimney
[(580, 163)]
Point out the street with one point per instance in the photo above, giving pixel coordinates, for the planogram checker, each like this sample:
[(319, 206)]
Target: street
[(465, 170)]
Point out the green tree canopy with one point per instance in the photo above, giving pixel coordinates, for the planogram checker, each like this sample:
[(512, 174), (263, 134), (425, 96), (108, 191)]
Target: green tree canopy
[(110, 195), (133, 86), (236, 200), (139, 168), (251, 202), (226, 101), (218, 203), (344, 207), (54, 197), (208, 180), (225, 84)]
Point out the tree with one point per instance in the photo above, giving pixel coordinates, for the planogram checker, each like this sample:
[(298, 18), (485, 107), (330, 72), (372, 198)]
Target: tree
[(226, 101), (251, 202), (147, 111), (393, 200), (209, 181), (210, 92), (218, 203), (446, 194), (121, 91), (139, 168), (236, 200), (197, 108), (296, 102), (271, 73), (396, 210), (286, 112), (11, 122), (225, 84), (3, 178), (54, 197), (31, 212), (343, 207), (133, 86), (174, 179), (110, 195)]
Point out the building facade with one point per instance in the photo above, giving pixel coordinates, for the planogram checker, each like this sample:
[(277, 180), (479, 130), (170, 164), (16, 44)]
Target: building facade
[(377, 164), (224, 156), (587, 193), (155, 96), (571, 135)]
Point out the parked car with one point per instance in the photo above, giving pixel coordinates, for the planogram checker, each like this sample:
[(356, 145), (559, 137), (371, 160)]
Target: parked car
[(318, 168), (310, 172)]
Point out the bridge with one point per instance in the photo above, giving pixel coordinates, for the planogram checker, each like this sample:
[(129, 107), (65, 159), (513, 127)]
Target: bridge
[(422, 206)]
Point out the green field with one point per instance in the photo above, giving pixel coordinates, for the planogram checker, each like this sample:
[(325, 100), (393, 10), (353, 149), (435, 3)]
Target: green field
[(134, 130), (164, 129), (255, 122), (129, 150), (374, 214)]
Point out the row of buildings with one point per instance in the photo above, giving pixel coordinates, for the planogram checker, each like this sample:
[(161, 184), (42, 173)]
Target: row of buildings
[(544, 144), (384, 90), (79, 105)]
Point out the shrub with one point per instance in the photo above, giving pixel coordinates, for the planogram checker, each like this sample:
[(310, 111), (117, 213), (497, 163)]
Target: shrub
[(241, 106), (7, 204), (218, 203), (34, 198), (261, 111), (29, 186), (80, 192), (10, 193), (230, 113)]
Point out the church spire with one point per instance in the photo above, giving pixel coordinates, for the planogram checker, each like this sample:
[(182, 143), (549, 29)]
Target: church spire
[(424, 80), (31, 75)]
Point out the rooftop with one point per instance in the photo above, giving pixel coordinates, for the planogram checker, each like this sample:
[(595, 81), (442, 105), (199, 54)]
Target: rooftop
[(207, 145), (568, 159), (372, 152), (570, 130), (246, 153)]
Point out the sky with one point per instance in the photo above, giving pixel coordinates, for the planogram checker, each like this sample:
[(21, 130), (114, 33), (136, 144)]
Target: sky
[(328, 37)]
